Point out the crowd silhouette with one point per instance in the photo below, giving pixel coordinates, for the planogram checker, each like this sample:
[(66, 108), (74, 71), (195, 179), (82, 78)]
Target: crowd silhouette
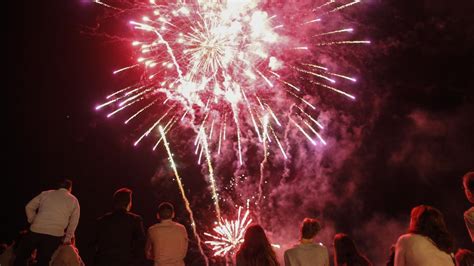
[(120, 238)]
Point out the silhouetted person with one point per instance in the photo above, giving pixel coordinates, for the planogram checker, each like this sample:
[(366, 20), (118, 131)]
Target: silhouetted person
[(427, 242), (53, 215), (119, 238), (468, 183), (346, 252), (256, 250), (464, 257), (307, 252), (167, 242)]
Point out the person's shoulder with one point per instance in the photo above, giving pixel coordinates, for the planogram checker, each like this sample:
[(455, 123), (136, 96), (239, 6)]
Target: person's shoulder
[(412, 240), (469, 214), (176, 224), (406, 237), (46, 192), (322, 247), (134, 216), (153, 227), (104, 217), (291, 250), (72, 197)]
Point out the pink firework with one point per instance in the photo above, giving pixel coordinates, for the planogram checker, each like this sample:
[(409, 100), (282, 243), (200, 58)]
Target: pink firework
[(222, 66), (229, 234)]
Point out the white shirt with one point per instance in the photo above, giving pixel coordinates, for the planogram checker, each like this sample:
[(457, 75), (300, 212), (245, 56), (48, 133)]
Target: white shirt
[(167, 243), (52, 211), (307, 255), (418, 250)]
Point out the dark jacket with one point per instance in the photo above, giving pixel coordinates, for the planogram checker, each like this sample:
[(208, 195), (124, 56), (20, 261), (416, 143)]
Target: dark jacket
[(119, 239)]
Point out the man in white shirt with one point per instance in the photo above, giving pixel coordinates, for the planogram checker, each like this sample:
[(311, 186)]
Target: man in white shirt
[(468, 182), (53, 215), (308, 253), (167, 241)]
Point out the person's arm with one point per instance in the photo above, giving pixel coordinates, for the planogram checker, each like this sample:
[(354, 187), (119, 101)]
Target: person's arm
[(149, 247), (32, 206), (73, 221), (400, 253)]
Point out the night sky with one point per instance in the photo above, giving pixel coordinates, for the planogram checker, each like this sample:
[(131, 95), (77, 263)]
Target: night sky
[(414, 120)]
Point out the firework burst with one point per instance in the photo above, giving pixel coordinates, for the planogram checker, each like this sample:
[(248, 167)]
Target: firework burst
[(229, 234), (231, 70), (220, 66)]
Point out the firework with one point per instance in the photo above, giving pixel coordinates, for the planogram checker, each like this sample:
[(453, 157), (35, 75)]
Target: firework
[(238, 71), (217, 67), (229, 234)]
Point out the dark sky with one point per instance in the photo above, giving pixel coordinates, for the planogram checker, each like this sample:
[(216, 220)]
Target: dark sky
[(416, 150)]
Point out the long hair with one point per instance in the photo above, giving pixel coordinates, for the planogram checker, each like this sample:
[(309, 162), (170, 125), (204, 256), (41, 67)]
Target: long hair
[(346, 252), (429, 221), (256, 249)]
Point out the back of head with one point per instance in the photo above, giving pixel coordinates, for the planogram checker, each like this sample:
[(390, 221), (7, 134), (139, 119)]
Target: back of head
[(464, 257), (310, 228), (256, 249), (468, 182), (428, 221), (166, 211), (122, 198), (64, 183), (346, 251)]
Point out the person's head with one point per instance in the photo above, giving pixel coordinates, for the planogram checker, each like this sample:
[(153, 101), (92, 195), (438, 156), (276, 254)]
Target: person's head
[(345, 251), (468, 183), (429, 221), (310, 228), (464, 257), (256, 249), (123, 199), (165, 211), (65, 183)]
